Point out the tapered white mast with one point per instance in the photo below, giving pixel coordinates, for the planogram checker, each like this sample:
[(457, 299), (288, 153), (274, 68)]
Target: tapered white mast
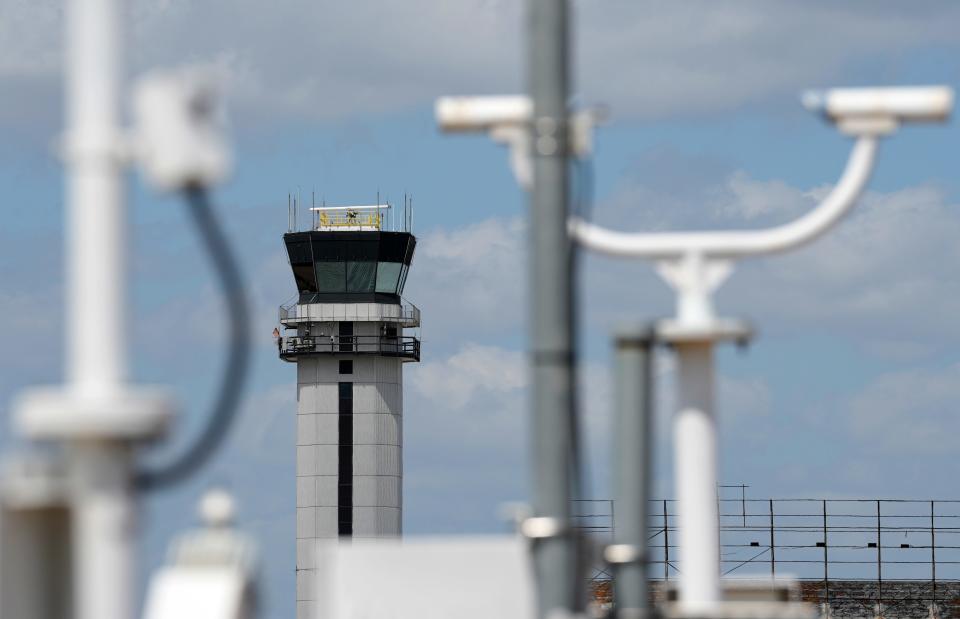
[(97, 416)]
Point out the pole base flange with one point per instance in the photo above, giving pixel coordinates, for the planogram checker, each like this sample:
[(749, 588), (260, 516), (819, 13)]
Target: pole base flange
[(130, 414), (671, 331)]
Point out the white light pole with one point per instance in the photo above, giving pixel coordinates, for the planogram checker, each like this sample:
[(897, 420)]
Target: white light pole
[(97, 416), (694, 264)]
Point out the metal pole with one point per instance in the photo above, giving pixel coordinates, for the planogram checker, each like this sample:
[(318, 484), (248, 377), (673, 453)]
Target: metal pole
[(613, 517), (632, 468), (103, 507), (933, 554), (826, 576), (773, 554), (551, 310), (743, 503), (695, 467), (666, 544), (879, 562)]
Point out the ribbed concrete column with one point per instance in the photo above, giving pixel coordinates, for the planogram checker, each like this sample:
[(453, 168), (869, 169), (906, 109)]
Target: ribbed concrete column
[(366, 405)]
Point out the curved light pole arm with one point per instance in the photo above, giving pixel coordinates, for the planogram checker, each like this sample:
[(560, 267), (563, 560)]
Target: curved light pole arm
[(740, 243)]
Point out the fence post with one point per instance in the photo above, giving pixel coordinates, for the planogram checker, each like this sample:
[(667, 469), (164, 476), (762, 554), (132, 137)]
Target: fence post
[(743, 503), (666, 544), (933, 555), (826, 574), (773, 554), (879, 562), (613, 517)]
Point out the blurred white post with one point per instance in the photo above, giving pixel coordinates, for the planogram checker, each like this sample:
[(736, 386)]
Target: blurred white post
[(104, 524), (96, 217), (695, 468), (97, 416), (103, 509)]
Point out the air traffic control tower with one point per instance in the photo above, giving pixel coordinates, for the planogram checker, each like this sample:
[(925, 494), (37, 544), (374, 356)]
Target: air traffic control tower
[(345, 332)]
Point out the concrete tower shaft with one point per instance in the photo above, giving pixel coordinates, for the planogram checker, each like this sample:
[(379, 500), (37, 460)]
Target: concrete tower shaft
[(347, 332)]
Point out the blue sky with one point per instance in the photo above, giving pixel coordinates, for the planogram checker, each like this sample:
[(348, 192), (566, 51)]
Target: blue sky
[(848, 391)]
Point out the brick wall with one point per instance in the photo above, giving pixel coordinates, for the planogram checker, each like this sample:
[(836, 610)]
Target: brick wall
[(900, 599), (897, 600)]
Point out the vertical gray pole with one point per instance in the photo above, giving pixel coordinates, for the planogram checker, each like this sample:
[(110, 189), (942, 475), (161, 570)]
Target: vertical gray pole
[(879, 562), (773, 546), (826, 560), (933, 555), (666, 545), (555, 559), (632, 463), (743, 504)]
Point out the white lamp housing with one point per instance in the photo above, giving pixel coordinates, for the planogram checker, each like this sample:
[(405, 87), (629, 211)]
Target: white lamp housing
[(464, 114), (506, 118), (180, 137), (854, 109)]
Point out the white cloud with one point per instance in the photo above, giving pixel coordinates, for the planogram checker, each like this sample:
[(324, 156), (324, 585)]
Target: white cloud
[(884, 276), (744, 198), (885, 273), (464, 435), (471, 279), (663, 58), (321, 61), (455, 381)]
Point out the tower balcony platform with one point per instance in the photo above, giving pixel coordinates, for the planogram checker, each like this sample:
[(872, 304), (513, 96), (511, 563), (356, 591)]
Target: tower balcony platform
[(402, 314), (295, 347)]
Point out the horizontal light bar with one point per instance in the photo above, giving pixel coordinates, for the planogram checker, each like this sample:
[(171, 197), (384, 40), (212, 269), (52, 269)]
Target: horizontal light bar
[(918, 104), (482, 113), (374, 207)]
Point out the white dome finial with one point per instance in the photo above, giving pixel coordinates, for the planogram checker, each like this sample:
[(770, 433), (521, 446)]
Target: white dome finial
[(217, 508)]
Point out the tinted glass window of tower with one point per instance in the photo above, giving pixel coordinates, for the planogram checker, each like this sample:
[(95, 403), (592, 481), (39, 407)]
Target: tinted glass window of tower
[(350, 277), (388, 276), (346, 366), (350, 266), (345, 461)]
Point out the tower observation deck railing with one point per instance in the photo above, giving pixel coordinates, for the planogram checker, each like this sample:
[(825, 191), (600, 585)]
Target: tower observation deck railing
[(295, 346), (351, 219), (406, 314), (846, 552)]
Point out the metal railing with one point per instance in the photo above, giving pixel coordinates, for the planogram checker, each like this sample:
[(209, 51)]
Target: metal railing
[(406, 313), (406, 346), (360, 219), (595, 518), (881, 550)]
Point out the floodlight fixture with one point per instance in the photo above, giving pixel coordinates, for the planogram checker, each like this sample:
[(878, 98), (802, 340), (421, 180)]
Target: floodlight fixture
[(885, 107), (180, 136), (507, 119), (467, 114)]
